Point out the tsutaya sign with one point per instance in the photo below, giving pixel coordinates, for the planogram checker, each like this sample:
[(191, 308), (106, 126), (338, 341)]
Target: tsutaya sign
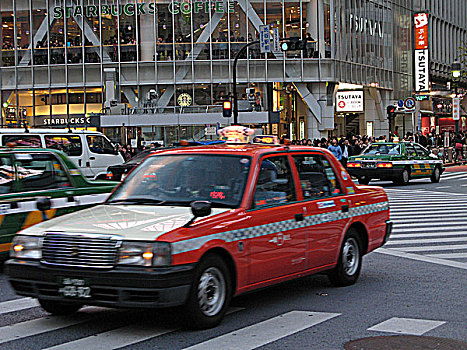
[(349, 101), (142, 8), (422, 62)]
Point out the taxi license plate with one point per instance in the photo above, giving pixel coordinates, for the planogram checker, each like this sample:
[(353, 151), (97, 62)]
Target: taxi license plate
[(369, 165), (70, 287)]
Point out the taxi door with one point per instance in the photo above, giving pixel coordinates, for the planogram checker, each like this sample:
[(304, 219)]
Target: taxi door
[(326, 208), (416, 167), (277, 238)]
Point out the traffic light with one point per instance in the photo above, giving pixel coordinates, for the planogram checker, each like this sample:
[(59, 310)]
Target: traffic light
[(391, 111), (294, 44), (227, 109)]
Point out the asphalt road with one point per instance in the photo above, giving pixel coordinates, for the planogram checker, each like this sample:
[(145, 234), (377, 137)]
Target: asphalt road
[(401, 290)]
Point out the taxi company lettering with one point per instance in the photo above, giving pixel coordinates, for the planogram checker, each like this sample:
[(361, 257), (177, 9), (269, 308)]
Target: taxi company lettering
[(64, 121), (131, 9), (362, 24)]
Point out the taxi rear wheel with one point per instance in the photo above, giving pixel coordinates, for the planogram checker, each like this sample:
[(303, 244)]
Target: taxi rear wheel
[(403, 178), (436, 175), (348, 267), (58, 308), (210, 294)]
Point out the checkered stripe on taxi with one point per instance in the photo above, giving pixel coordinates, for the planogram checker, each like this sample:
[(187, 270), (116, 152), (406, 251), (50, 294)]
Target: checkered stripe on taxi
[(276, 227)]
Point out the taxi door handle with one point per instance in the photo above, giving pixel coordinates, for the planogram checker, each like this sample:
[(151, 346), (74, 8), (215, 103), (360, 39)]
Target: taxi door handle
[(299, 217), (92, 158), (345, 208)]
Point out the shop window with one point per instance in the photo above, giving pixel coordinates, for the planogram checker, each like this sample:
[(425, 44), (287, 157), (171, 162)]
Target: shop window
[(40, 172), (40, 51), (23, 29)]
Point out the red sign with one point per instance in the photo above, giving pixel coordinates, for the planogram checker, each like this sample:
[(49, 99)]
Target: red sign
[(421, 31), (341, 104)]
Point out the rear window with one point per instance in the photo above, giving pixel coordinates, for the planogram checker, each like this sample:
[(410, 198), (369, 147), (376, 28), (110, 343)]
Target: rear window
[(22, 140), (70, 144)]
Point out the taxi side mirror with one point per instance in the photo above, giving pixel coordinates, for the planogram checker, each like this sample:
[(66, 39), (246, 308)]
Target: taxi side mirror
[(200, 208)]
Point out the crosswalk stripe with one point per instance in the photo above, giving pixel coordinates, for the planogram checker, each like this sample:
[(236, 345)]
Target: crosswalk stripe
[(425, 205), (415, 241), (406, 326), (17, 305), (449, 256), (453, 177), (432, 248), (460, 228), (123, 336), (409, 219), (41, 325), (424, 258), (266, 332), (116, 338), (423, 234)]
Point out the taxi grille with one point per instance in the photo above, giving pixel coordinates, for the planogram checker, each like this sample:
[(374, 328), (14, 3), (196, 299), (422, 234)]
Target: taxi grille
[(79, 250)]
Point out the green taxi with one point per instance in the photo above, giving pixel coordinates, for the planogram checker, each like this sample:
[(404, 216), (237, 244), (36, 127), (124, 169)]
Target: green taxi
[(398, 162), (38, 184)]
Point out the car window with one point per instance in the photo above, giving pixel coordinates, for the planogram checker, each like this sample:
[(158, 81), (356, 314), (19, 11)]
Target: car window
[(376, 149), (317, 177), (7, 174), (22, 140), (40, 171), (70, 144), (275, 183), (410, 150), (99, 144), (422, 152)]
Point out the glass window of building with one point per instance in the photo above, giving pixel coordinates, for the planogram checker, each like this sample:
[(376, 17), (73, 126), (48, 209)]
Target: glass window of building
[(8, 35), (23, 29), (39, 33)]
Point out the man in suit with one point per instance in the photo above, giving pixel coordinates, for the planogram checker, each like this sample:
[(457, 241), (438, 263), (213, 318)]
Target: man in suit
[(347, 151)]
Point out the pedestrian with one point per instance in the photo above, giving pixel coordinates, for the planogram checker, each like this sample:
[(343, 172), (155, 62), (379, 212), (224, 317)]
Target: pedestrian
[(335, 149), (347, 151)]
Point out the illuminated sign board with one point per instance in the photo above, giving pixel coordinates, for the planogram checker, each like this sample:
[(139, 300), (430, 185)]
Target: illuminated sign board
[(349, 101), (421, 57), (142, 8), (421, 31)]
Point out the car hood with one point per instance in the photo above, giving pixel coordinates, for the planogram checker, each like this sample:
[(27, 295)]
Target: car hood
[(131, 222)]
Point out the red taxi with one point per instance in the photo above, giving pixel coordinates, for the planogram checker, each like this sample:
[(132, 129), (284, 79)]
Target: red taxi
[(199, 225)]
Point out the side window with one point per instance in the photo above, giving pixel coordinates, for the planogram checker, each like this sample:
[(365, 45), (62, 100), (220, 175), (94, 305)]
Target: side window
[(99, 144), (22, 140), (70, 144), (275, 183), (40, 171), (410, 150), (317, 177), (7, 174), (421, 151)]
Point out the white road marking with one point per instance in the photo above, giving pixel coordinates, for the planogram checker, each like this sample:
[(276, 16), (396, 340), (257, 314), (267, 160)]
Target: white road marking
[(433, 221), (449, 256), (406, 326), (17, 305), (266, 332), (443, 187), (423, 258), (121, 337), (433, 248), (436, 240), (456, 176), (423, 234), (460, 229)]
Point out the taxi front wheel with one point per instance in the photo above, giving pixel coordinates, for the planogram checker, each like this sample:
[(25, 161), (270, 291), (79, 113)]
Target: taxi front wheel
[(210, 294), (58, 308), (436, 175), (348, 267)]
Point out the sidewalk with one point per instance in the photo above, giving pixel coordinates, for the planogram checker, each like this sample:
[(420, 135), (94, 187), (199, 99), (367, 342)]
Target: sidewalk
[(452, 167)]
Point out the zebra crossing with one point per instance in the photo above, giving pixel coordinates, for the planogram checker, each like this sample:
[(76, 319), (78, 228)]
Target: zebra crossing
[(252, 336), (429, 223), (457, 175)]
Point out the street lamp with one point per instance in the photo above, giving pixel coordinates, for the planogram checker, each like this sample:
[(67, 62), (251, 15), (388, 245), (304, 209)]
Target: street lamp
[(5, 106), (456, 74)]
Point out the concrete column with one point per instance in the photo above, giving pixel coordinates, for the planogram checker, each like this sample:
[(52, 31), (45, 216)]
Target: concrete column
[(315, 19), (146, 35), (324, 111)]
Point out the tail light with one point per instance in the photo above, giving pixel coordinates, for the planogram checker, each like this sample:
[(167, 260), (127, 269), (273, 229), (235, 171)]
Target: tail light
[(109, 175), (354, 165), (384, 165)]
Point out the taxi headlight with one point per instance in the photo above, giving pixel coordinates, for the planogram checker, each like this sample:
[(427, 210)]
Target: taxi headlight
[(145, 254), (26, 247)]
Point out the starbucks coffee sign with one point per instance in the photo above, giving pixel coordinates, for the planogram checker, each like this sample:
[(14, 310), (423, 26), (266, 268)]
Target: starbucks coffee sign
[(183, 7)]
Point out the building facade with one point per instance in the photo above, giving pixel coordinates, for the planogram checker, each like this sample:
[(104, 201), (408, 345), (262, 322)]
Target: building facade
[(161, 69)]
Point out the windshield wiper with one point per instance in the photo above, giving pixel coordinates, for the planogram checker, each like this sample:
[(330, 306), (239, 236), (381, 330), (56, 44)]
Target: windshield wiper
[(136, 201)]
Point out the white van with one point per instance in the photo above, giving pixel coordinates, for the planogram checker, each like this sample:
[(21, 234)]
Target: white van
[(92, 151)]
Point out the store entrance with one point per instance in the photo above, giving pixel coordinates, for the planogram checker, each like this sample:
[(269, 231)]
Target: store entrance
[(348, 123)]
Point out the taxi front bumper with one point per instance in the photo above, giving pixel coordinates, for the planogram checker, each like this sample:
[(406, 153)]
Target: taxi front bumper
[(121, 287), (376, 173)]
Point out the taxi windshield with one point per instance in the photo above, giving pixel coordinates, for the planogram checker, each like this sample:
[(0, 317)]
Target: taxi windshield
[(182, 179), (388, 149)]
